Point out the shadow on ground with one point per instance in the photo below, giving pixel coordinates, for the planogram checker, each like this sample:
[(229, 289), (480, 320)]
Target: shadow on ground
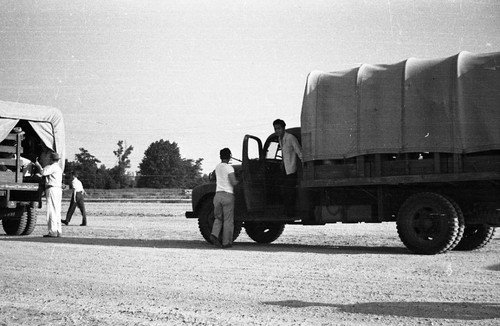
[(495, 268), (438, 310), (201, 244)]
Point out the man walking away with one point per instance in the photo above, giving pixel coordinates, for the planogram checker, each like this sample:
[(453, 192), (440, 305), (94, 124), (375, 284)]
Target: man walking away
[(76, 200)]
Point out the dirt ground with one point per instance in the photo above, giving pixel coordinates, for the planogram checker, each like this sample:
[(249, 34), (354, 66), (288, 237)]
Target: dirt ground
[(146, 264)]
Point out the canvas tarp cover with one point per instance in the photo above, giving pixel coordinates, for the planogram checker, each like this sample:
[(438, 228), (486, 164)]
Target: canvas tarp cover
[(418, 105), (47, 122)]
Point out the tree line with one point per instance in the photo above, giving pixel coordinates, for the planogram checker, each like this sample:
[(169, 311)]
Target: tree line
[(161, 167)]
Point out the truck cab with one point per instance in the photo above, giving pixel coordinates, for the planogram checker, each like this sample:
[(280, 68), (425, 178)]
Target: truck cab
[(262, 179), (258, 196)]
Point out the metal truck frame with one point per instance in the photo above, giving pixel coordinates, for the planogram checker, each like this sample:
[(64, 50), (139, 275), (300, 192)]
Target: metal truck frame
[(416, 143), (25, 131)]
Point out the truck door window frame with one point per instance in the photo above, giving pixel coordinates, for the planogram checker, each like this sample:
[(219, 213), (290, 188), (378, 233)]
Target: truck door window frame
[(273, 151), (253, 172)]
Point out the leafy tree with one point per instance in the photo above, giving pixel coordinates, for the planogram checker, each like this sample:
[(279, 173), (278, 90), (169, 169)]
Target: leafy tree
[(118, 172), (192, 173), (86, 166), (163, 167), (104, 180), (71, 166), (88, 172)]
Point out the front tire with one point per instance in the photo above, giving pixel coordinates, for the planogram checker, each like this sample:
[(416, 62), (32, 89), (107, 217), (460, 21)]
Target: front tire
[(206, 220), (428, 223), (264, 232)]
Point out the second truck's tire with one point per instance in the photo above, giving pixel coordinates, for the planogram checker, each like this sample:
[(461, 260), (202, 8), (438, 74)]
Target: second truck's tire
[(206, 220), (14, 220), (428, 223), (264, 232), (475, 237), (31, 218)]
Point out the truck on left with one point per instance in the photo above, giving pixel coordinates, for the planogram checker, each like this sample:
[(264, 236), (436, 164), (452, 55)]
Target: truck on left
[(27, 133)]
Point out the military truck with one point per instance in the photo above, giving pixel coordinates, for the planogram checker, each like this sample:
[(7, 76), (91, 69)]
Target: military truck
[(415, 142), (26, 133)]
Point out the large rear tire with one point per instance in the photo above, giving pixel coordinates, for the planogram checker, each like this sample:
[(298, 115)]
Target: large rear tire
[(428, 223), (461, 223), (264, 232), (206, 220), (475, 237), (14, 220)]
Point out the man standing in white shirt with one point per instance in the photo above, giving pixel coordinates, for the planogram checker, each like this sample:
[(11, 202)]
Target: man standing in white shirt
[(290, 150), (76, 200), (224, 202), (53, 192)]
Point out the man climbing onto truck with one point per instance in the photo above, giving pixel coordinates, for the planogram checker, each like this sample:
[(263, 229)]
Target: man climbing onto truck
[(290, 149)]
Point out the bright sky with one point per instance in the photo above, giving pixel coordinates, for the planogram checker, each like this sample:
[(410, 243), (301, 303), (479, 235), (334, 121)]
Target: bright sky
[(205, 73)]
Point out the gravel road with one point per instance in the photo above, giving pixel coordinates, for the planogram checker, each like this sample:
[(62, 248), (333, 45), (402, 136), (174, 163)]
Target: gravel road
[(146, 264)]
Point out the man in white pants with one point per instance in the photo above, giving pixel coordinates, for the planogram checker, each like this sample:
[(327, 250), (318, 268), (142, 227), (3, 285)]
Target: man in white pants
[(53, 175), (224, 202)]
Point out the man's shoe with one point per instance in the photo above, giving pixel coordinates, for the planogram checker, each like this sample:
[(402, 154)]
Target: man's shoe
[(227, 246), (49, 236), (83, 224), (64, 222), (215, 241)]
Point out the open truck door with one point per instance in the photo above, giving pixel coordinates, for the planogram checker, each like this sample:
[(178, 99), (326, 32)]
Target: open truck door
[(253, 173)]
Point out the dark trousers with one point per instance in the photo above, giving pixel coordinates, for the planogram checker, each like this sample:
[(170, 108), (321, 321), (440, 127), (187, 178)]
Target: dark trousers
[(72, 206), (289, 193)]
